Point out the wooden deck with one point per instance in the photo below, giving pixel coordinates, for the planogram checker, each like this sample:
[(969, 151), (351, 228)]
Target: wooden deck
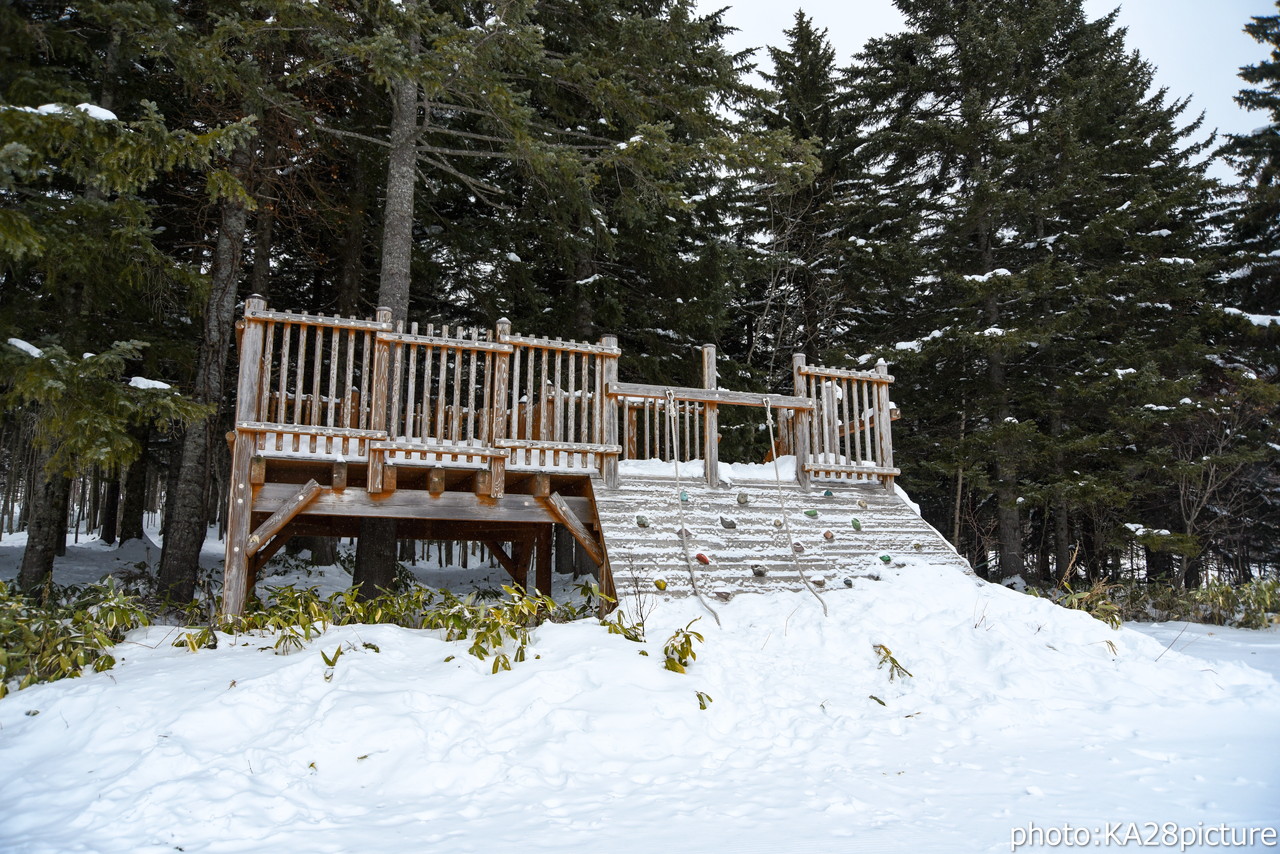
[(493, 437)]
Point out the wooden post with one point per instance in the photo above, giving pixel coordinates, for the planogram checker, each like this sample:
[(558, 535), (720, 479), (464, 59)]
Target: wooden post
[(498, 411), (542, 562), (884, 433), (609, 462), (235, 583), (800, 423), (378, 395), (711, 419)]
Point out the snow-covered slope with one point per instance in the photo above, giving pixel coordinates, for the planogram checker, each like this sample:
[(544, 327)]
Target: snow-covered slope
[(1016, 712)]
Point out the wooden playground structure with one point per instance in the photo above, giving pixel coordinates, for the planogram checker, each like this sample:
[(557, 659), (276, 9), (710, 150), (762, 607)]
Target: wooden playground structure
[(493, 437)]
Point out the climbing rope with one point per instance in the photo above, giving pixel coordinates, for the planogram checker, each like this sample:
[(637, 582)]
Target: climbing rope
[(786, 522), (684, 530)]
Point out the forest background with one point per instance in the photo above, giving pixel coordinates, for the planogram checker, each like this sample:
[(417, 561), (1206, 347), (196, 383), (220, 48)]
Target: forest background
[(1082, 322)]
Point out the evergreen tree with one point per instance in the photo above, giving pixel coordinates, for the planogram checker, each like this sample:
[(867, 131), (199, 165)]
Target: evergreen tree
[(78, 244), (1254, 285), (1058, 211)]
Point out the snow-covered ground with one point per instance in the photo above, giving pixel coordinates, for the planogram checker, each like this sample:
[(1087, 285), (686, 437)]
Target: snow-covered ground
[(1018, 718)]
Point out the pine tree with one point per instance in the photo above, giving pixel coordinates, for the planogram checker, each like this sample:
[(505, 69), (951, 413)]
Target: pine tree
[(1058, 210), (1254, 285), (796, 295), (77, 241)]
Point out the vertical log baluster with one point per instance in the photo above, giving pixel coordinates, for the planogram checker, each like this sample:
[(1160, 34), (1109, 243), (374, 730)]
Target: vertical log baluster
[(498, 418), (378, 405)]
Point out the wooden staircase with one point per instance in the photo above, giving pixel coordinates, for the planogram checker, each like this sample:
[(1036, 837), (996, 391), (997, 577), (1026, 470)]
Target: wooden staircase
[(641, 523)]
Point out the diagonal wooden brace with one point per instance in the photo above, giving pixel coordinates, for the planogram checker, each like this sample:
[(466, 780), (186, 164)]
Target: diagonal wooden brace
[(559, 509), (295, 505)]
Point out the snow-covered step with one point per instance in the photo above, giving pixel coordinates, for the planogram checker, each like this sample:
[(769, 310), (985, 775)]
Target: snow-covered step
[(757, 535)]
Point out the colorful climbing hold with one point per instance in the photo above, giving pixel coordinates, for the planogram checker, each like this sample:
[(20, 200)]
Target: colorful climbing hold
[(828, 494), (886, 558), (848, 582), (728, 524), (798, 548), (684, 496), (862, 503), (777, 523), (703, 559), (917, 546), (743, 499), (642, 521), (660, 584), (812, 514), (684, 534), (828, 535), (857, 526)]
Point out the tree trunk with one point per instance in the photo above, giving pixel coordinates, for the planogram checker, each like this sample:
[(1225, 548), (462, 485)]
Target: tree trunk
[(111, 509), (46, 527), (134, 506), (185, 507), (352, 251), (376, 547)]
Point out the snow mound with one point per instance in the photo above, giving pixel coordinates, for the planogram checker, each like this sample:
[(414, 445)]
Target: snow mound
[(1015, 710)]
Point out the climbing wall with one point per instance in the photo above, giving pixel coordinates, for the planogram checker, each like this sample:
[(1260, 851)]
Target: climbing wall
[(738, 540)]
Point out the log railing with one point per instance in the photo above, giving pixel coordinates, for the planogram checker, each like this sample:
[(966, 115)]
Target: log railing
[(368, 391)]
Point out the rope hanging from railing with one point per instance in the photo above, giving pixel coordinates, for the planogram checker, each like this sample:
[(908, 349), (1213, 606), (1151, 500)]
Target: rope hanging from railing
[(684, 530), (786, 522)]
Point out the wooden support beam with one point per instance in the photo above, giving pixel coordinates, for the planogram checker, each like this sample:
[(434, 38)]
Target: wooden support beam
[(519, 572), (258, 470), (497, 414), (388, 478), (436, 481), (559, 507), (540, 485), (267, 552), (711, 420), (236, 577), (482, 483), (542, 571), (800, 422), (339, 480), (283, 516), (417, 504), (609, 368)]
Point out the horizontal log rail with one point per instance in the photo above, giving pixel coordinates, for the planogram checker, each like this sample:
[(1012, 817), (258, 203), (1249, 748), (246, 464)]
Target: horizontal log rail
[(709, 395)]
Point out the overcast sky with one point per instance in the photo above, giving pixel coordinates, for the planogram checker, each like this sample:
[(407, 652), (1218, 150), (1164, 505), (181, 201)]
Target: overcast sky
[(1197, 46)]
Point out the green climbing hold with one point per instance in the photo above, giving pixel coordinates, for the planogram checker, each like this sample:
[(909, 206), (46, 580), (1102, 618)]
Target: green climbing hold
[(812, 514), (886, 558), (742, 498), (642, 521), (857, 526)]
